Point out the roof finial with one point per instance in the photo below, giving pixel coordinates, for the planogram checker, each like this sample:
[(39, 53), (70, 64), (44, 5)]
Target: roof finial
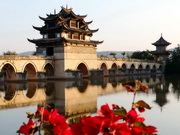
[(161, 34), (66, 6), (54, 11)]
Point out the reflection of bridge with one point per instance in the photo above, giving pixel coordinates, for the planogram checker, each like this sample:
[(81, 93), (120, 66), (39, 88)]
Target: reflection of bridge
[(74, 99), (13, 95), (74, 96)]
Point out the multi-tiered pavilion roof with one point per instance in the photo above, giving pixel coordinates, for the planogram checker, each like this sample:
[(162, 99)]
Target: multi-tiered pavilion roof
[(66, 27)]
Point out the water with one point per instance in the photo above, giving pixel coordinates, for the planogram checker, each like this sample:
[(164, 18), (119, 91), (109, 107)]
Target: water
[(79, 98)]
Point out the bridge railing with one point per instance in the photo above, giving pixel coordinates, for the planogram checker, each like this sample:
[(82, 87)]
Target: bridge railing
[(126, 59), (22, 57)]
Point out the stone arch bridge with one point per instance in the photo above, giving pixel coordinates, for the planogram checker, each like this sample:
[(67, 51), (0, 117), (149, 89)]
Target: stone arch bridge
[(15, 67)]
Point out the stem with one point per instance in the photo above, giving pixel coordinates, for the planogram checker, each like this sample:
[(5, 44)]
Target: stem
[(132, 108), (133, 99)]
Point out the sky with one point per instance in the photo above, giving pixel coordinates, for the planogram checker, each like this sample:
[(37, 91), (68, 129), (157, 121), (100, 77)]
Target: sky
[(124, 25)]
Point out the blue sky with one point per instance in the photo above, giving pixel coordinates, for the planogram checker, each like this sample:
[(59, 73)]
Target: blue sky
[(124, 25)]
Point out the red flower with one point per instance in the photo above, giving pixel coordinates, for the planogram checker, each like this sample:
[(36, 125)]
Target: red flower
[(43, 113), (150, 130), (106, 111), (77, 129), (59, 122), (141, 109), (56, 119), (132, 116), (137, 130), (122, 129), (25, 128), (140, 119), (142, 87), (57, 130), (91, 125), (129, 88)]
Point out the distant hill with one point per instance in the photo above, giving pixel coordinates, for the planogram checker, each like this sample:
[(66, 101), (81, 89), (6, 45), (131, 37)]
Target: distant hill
[(27, 53), (118, 53), (101, 53)]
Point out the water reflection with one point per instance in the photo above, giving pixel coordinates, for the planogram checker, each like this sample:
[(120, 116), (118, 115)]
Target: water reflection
[(76, 99)]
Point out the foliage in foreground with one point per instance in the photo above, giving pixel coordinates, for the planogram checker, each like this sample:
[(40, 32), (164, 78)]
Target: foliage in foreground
[(113, 120)]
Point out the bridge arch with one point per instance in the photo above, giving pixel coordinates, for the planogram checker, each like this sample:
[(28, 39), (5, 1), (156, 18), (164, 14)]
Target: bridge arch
[(8, 71), (154, 67), (160, 68), (132, 67), (114, 66), (140, 67), (147, 68), (30, 71), (49, 69), (114, 69), (103, 67), (124, 67), (83, 68)]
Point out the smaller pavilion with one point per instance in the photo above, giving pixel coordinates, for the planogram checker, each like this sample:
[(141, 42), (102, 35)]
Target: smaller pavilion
[(161, 54)]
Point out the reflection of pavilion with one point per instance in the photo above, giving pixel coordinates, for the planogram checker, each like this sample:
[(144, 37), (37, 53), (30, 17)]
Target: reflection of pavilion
[(161, 91), (161, 98)]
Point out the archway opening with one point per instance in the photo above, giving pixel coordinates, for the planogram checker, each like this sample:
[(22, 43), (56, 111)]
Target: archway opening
[(82, 67), (147, 67), (140, 68), (132, 67), (30, 71), (160, 68), (8, 72), (104, 68), (123, 67), (114, 67), (49, 70), (154, 67)]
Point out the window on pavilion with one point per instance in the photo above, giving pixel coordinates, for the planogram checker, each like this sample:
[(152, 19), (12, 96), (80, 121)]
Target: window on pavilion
[(75, 36), (69, 35), (73, 23)]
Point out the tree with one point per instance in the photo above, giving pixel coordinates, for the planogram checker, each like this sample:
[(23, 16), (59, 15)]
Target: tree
[(34, 53), (123, 53), (10, 53), (113, 54), (175, 56), (144, 55), (173, 64)]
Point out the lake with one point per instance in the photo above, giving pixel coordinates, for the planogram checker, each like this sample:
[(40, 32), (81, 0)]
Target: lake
[(76, 99)]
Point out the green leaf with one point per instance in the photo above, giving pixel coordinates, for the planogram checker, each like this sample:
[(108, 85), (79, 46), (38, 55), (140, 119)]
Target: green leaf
[(139, 124), (142, 103), (30, 115), (121, 111)]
